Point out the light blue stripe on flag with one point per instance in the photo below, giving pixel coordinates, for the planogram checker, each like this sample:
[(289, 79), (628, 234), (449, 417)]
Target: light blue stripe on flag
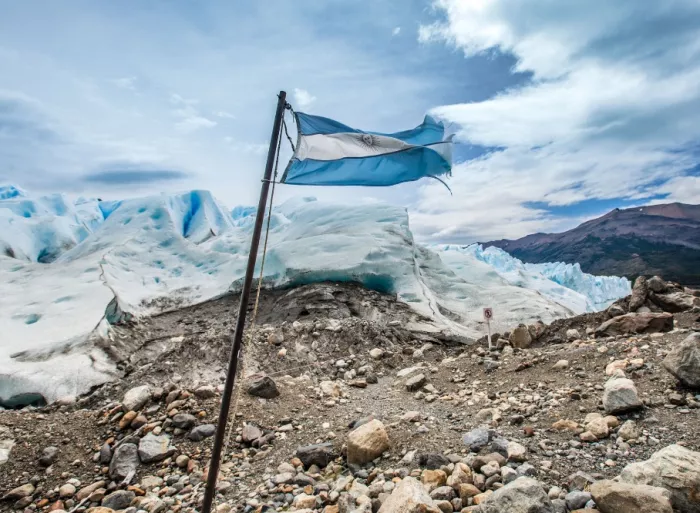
[(331, 153)]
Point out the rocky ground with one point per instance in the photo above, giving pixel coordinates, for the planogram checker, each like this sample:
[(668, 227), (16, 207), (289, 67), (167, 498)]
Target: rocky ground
[(351, 403)]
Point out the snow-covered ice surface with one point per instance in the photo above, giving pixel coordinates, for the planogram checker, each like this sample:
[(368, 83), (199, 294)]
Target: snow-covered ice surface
[(64, 265), (563, 283)]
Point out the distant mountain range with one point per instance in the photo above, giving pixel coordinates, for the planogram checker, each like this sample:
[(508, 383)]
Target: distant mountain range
[(657, 239)]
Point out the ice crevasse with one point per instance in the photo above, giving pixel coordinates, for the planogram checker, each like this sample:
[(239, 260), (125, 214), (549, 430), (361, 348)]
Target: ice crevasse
[(66, 268)]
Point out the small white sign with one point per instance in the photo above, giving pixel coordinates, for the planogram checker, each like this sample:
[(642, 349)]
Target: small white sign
[(488, 314)]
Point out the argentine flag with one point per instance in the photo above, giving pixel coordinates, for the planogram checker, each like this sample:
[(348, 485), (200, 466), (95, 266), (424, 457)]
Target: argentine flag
[(330, 153)]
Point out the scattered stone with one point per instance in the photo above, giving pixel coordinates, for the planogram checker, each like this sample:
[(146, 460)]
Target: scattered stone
[(205, 392), (184, 420), (136, 398), (26, 490), (520, 337), (561, 364), (614, 497), (628, 431), (684, 361), (432, 460), (620, 395), (154, 448), (124, 461), (416, 382), (48, 456), (577, 499), (367, 442), (573, 334), (264, 387), (516, 452), (524, 495), (376, 353), (476, 439), (121, 499), (432, 479), (250, 433), (409, 497), (317, 454), (199, 433), (66, 491), (674, 468)]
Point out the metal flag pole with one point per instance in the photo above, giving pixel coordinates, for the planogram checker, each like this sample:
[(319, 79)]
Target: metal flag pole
[(214, 465)]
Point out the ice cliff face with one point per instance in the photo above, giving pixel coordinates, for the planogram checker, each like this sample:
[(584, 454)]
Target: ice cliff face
[(564, 283), (67, 267)]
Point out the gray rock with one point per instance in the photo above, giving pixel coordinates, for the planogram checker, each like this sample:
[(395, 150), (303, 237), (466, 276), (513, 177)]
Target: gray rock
[(121, 499), (614, 497), (620, 395), (576, 499), (264, 387), (184, 420), (317, 454), (443, 493), (656, 284), (154, 448), (432, 460), (415, 382), (675, 301), (675, 468), (559, 505), (199, 433), (615, 310), (524, 495), (640, 290), (580, 480), (48, 456), (136, 398), (526, 470), (250, 433), (125, 460), (105, 454), (476, 439), (684, 361), (26, 490), (205, 392)]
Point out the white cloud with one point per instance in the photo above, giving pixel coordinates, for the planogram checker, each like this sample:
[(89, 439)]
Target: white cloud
[(125, 83), (609, 110), (303, 98), (193, 123), (225, 115), (396, 31)]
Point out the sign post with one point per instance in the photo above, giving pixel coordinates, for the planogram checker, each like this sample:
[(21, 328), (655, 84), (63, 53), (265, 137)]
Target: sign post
[(488, 315)]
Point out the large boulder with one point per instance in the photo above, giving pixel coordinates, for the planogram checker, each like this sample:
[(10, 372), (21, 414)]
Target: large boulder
[(367, 442), (674, 301), (684, 361), (520, 337), (620, 395), (409, 497), (524, 495), (674, 468), (649, 322), (640, 291), (614, 497), (657, 284), (125, 460), (6, 444)]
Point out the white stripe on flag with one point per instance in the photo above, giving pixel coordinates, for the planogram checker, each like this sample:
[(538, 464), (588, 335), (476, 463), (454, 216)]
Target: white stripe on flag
[(342, 145)]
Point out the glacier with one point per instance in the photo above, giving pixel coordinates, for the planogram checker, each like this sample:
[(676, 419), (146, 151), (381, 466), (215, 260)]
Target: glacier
[(69, 269), (564, 283)]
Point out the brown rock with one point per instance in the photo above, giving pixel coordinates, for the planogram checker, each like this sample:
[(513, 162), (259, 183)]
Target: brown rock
[(367, 442), (636, 323), (466, 491), (433, 479), (613, 497)]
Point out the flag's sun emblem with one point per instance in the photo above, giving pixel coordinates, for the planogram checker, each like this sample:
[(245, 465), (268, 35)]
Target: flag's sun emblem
[(368, 141)]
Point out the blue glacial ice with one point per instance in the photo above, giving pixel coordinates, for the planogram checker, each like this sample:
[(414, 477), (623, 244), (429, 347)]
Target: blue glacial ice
[(62, 262)]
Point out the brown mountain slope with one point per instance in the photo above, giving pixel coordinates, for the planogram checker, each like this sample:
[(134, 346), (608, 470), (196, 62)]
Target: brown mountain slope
[(655, 239)]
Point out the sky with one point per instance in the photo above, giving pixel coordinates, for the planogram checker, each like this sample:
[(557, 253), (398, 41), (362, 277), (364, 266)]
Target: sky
[(562, 110)]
